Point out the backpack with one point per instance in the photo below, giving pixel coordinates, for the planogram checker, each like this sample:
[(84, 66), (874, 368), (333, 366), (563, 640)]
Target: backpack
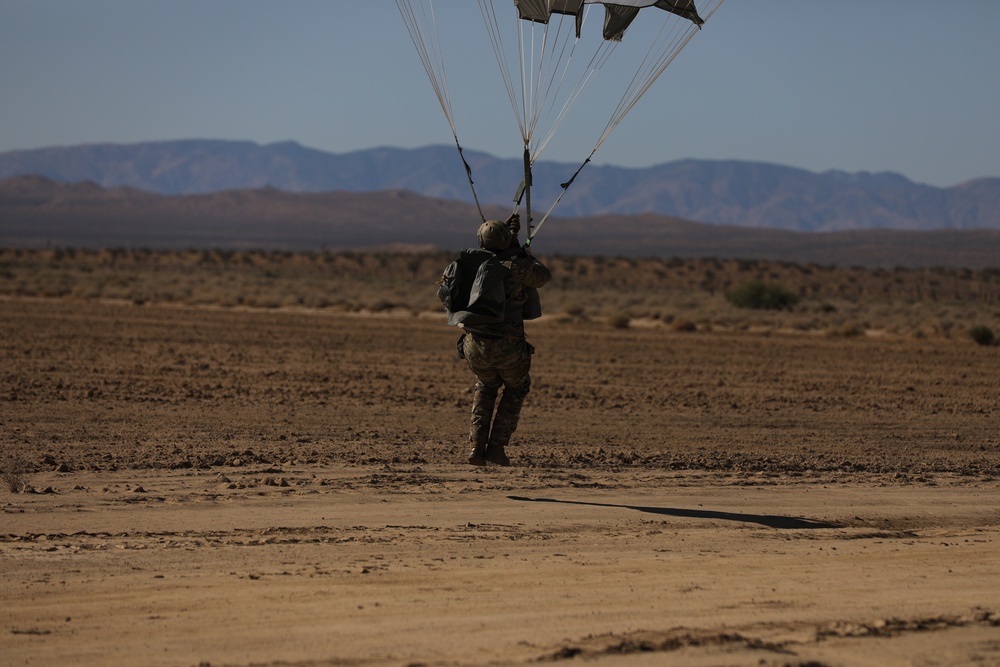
[(471, 288)]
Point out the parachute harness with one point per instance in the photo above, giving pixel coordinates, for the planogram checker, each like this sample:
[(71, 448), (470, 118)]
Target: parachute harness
[(548, 35)]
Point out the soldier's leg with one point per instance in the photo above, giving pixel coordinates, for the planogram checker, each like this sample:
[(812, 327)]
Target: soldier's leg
[(517, 383), (483, 401), (478, 355)]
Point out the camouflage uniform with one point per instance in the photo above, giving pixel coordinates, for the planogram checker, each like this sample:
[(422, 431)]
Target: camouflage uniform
[(500, 356)]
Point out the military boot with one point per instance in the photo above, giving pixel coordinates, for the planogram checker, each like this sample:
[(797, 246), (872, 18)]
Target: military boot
[(495, 454), (477, 456), (482, 414)]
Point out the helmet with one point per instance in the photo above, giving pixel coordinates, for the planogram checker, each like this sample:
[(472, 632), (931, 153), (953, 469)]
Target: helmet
[(494, 235)]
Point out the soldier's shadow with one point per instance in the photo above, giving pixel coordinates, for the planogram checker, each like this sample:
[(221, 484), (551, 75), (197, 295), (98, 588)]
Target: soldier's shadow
[(769, 520)]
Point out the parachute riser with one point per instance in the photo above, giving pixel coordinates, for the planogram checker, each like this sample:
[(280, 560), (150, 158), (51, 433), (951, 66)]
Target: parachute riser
[(523, 193), (527, 189), (468, 174)]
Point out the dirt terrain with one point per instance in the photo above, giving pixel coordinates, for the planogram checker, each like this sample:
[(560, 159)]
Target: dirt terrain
[(198, 485)]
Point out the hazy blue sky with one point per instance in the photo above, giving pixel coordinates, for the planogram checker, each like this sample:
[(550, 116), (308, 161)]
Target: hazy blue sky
[(908, 86)]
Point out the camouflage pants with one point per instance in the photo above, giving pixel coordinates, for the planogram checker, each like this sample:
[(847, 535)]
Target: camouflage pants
[(497, 363)]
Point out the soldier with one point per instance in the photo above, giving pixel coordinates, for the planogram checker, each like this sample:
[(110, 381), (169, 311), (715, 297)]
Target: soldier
[(497, 352)]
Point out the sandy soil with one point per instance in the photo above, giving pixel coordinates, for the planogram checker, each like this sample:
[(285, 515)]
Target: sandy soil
[(225, 487)]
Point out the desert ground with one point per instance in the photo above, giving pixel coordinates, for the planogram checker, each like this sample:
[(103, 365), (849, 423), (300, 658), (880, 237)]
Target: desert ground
[(192, 477)]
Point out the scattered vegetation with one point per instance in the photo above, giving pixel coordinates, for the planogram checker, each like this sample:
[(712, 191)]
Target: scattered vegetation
[(676, 294)]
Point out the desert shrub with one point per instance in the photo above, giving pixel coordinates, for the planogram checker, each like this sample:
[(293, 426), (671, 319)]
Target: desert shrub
[(13, 474), (982, 334), (316, 300), (759, 295), (383, 305), (847, 330), (619, 321), (685, 326)]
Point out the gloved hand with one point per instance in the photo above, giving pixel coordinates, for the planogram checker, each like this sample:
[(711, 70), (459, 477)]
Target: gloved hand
[(513, 224)]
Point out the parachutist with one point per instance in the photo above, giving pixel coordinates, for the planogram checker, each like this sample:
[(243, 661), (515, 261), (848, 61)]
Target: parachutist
[(489, 292)]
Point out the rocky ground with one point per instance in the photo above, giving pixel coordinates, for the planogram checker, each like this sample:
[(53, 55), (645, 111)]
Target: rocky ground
[(195, 485)]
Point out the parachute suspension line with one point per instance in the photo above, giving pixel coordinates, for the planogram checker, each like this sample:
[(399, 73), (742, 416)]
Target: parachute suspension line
[(488, 12), (551, 76), (542, 72), (530, 80), (565, 187), (526, 56), (552, 52), (496, 41), (541, 88), (666, 48), (601, 55), (660, 55), (422, 25), (527, 119), (545, 55)]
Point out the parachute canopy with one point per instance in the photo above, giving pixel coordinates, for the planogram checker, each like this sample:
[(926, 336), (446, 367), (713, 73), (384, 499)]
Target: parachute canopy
[(547, 57), (617, 15)]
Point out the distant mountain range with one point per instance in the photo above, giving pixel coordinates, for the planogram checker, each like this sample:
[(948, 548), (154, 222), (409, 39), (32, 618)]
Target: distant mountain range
[(37, 211), (741, 194)]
